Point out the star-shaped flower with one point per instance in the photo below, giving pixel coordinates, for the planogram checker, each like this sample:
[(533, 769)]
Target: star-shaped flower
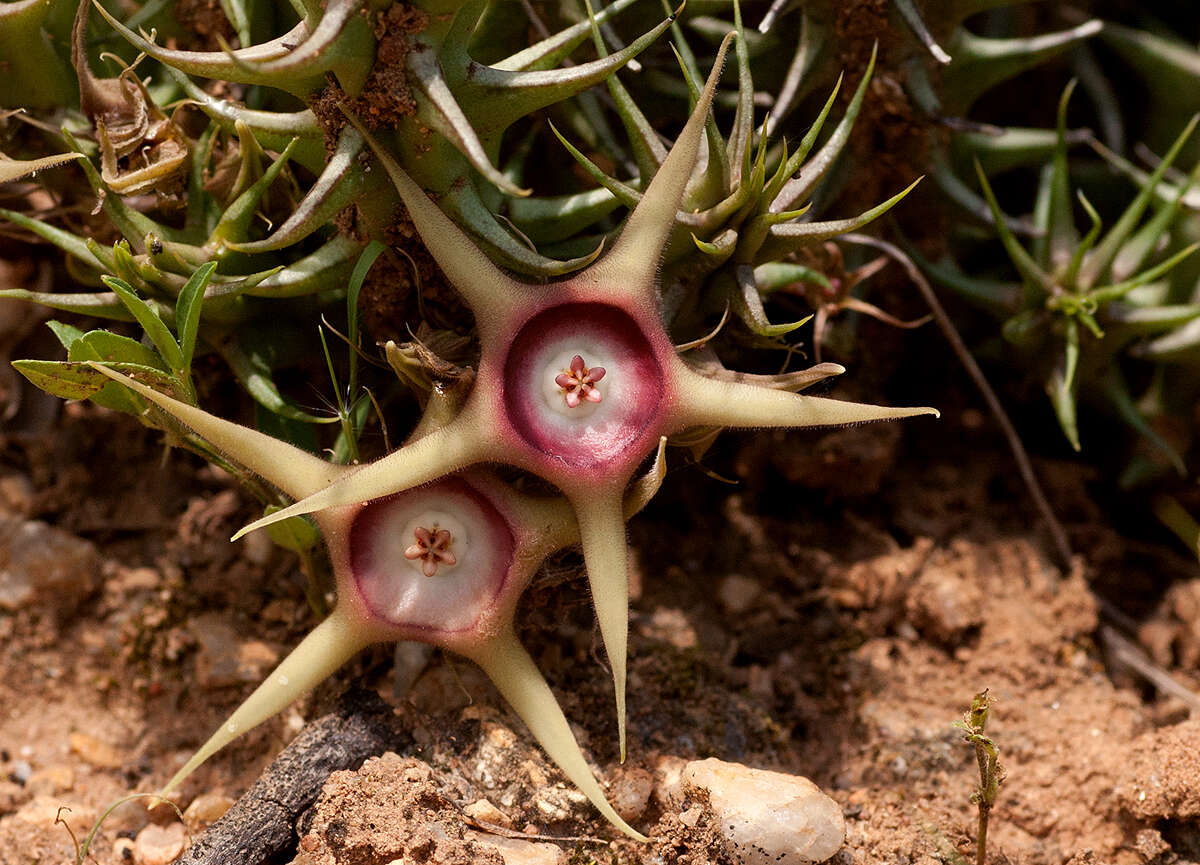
[(516, 413)]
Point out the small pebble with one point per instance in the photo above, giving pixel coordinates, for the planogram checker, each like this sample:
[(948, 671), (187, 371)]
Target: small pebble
[(158, 845), (51, 781), (123, 850), (629, 792), (16, 495), (738, 593), (44, 811), (41, 565), (691, 816), (223, 658), (668, 791), (944, 604), (95, 751), (516, 851), (21, 772), (499, 736), (670, 625), (485, 812), (207, 808), (767, 818)]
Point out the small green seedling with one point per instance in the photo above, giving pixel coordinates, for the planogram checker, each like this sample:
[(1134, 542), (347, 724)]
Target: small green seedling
[(991, 773)]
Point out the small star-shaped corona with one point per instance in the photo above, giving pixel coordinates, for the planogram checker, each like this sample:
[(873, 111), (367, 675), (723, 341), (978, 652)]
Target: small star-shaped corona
[(579, 382), (431, 549)]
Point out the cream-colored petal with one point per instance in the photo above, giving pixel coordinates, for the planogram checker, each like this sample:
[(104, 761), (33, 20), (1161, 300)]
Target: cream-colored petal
[(522, 685), (634, 260), (708, 402), (13, 169), (331, 644), (488, 289), (602, 533), (297, 472), (441, 452)]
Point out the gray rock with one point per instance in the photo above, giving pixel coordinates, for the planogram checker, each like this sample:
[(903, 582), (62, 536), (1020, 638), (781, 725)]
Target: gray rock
[(41, 566), (224, 658)]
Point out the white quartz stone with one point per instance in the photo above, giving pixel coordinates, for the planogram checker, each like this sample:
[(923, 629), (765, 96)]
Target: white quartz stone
[(767, 818)]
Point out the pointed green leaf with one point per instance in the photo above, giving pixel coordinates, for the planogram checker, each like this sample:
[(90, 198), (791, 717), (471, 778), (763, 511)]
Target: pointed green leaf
[(1146, 240), (1120, 289), (235, 221), (73, 380), (99, 304), (187, 313), (298, 534), (1061, 237), (69, 243), (981, 63), (795, 234), (554, 218), (325, 269), (800, 187), (1101, 258), (342, 181), (158, 332), (648, 149), (747, 303), (1026, 266), (1084, 246), (1061, 386), (912, 17), (550, 51), (66, 333)]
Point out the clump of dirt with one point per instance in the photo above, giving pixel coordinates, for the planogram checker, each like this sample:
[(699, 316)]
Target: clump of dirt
[(205, 23), (406, 818), (386, 97)]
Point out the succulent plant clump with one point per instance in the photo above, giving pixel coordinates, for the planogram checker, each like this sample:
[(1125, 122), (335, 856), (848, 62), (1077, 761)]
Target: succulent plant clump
[(577, 383)]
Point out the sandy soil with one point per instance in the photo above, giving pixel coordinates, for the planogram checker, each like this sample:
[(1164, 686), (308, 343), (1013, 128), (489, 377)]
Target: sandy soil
[(835, 635)]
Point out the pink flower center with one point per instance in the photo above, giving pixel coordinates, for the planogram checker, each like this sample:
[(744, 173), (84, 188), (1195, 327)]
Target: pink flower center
[(550, 393), (451, 531), (432, 548), (579, 383)]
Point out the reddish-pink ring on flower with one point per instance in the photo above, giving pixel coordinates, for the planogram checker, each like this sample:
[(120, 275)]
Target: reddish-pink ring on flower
[(549, 388), (470, 553)]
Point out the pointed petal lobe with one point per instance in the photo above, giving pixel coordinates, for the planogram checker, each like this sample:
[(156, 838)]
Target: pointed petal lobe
[(441, 452), (522, 685), (602, 532), (634, 259), (296, 472), (487, 289), (331, 644), (709, 402)]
